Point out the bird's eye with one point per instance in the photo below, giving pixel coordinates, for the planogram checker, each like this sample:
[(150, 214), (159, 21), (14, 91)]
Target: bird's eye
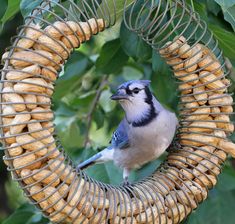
[(135, 90), (128, 91)]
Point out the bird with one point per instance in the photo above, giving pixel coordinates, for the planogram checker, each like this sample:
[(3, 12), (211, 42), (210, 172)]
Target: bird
[(144, 133)]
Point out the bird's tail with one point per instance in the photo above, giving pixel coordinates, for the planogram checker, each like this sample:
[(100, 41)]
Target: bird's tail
[(101, 157)]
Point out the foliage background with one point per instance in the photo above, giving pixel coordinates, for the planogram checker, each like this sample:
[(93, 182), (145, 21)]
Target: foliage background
[(85, 116)]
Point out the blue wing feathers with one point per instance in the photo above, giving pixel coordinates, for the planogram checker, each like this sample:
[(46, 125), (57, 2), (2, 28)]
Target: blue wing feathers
[(120, 137)]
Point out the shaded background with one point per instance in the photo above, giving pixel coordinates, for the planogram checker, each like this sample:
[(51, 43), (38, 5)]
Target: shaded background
[(86, 118)]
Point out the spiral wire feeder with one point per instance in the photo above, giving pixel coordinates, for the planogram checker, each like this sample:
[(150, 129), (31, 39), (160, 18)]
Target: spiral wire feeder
[(35, 156)]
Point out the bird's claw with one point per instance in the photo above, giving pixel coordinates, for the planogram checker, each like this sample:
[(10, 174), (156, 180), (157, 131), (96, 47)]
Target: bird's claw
[(126, 183), (174, 146)]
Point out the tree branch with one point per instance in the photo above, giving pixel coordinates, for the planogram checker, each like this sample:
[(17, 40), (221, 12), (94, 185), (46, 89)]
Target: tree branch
[(92, 108)]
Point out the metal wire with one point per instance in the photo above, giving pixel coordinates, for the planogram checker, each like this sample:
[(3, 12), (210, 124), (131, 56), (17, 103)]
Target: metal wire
[(35, 156)]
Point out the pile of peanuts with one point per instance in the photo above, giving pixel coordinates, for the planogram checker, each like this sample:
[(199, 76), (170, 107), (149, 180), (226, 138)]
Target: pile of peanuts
[(170, 195), (204, 125), (27, 118)]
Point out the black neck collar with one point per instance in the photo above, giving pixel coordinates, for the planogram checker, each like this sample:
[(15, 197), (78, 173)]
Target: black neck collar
[(152, 113), (147, 119)]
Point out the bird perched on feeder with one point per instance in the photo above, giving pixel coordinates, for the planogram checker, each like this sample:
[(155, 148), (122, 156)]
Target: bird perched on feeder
[(143, 135)]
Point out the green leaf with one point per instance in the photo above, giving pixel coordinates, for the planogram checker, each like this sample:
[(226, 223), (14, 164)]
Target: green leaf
[(26, 6), (3, 8), (99, 173), (147, 170), (158, 63), (69, 132), (133, 45), (114, 171), (226, 40), (105, 102), (229, 16), (64, 110), (26, 214), (217, 209), (15, 196), (114, 7), (226, 179), (163, 83), (201, 9), (213, 7), (112, 58), (12, 9), (131, 73), (99, 118), (77, 64), (225, 3), (82, 102)]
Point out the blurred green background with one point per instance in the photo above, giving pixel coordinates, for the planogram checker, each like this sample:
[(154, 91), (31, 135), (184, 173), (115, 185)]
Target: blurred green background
[(86, 118)]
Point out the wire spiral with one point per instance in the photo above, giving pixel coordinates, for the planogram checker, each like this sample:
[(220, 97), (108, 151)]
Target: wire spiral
[(35, 156)]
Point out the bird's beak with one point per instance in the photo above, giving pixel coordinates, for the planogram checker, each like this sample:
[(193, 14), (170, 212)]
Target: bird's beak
[(119, 95), (89, 161)]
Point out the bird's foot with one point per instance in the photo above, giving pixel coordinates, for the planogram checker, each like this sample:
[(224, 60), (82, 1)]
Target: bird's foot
[(174, 146), (126, 182)]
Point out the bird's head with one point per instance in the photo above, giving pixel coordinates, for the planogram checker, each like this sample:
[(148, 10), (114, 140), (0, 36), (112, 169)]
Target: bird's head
[(135, 98)]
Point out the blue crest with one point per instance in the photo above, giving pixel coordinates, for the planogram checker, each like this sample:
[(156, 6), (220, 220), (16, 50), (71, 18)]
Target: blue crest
[(126, 84)]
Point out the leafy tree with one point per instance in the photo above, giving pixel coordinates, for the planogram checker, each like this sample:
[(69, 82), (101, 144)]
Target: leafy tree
[(85, 117)]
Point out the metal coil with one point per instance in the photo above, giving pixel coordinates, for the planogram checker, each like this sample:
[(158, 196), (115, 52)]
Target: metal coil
[(35, 156)]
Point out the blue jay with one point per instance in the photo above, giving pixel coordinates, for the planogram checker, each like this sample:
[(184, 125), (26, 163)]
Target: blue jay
[(143, 135)]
